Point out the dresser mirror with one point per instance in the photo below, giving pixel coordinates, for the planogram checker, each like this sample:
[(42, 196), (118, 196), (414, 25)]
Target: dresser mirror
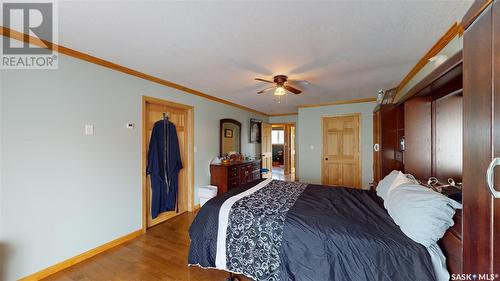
[(230, 136)]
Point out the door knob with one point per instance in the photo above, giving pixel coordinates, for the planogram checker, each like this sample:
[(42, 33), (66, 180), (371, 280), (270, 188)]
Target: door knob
[(326, 159)]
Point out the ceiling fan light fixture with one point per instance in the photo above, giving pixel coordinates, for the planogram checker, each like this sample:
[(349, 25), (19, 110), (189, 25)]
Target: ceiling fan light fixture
[(280, 91)]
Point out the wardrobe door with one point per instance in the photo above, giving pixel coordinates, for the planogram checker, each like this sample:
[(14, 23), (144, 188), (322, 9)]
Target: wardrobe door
[(496, 129), (376, 147), (477, 142)]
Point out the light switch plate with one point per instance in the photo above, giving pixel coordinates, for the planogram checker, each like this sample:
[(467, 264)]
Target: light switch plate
[(89, 130)]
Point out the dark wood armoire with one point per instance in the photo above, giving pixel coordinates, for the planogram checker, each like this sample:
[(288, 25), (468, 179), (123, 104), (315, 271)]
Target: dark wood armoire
[(422, 135), (481, 106)]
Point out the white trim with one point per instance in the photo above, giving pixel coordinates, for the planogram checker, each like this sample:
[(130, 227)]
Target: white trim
[(220, 257)]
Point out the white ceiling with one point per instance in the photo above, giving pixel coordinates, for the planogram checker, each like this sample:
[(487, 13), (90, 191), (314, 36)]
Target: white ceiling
[(345, 49)]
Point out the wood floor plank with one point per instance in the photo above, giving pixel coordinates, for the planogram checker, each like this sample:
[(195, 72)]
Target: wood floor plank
[(160, 254)]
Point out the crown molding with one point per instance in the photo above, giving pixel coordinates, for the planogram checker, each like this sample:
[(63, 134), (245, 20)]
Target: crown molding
[(283, 114), (456, 29), (7, 32)]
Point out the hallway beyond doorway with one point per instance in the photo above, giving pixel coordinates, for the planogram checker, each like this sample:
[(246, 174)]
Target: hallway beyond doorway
[(278, 173)]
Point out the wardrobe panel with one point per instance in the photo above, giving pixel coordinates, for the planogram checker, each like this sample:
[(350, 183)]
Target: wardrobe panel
[(477, 106), (376, 147), (448, 138), (496, 130), (418, 127), (392, 126)]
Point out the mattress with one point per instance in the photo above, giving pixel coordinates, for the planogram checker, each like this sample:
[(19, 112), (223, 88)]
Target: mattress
[(275, 230)]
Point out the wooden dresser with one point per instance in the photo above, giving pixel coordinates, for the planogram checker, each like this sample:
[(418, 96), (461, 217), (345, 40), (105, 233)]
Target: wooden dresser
[(226, 177)]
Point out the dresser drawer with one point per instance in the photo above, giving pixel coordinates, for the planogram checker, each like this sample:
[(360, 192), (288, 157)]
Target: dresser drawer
[(255, 175), (234, 182), (245, 171), (230, 176), (256, 167), (232, 172)]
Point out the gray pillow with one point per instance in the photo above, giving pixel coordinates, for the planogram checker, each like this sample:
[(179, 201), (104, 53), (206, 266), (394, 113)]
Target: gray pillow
[(384, 185), (392, 181), (422, 214)]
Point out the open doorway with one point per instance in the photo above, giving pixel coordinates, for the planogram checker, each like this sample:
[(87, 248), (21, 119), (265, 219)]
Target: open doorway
[(283, 151)]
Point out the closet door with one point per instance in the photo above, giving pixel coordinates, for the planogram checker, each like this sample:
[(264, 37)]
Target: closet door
[(481, 143), (153, 111), (496, 129), (267, 148), (341, 153), (376, 147)]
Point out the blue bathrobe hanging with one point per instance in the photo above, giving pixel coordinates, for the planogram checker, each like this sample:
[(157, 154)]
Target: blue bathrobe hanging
[(164, 164)]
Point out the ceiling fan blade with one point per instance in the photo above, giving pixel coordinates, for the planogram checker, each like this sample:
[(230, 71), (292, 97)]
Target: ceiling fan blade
[(263, 80), (265, 90), (292, 89), (293, 81)]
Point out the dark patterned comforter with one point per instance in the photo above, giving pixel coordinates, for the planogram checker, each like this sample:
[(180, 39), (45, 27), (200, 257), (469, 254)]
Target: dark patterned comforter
[(291, 231)]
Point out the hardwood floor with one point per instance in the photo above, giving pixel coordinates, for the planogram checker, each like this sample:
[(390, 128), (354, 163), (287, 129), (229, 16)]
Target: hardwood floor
[(160, 254), (278, 173)]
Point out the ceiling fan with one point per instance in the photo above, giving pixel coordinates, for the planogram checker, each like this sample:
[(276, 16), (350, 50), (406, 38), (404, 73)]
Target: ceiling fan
[(281, 85)]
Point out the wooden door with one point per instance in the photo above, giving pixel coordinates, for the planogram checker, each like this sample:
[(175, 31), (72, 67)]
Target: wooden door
[(376, 146), (267, 147), (286, 149), (481, 143), (341, 152), (496, 136), (153, 112)]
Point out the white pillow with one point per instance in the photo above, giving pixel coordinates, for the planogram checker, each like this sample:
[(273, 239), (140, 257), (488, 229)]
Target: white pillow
[(398, 181), (384, 185), (422, 214), (390, 182)]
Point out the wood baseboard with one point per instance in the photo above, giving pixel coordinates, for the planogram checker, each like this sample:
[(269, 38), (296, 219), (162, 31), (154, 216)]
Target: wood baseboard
[(196, 207), (81, 257)]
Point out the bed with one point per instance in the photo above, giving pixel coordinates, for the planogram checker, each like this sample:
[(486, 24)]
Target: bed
[(275, 230)]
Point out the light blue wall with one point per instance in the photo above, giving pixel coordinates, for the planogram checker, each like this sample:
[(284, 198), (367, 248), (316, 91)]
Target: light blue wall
[(63, 193), (311, 141), (283, 119), (1, 173)]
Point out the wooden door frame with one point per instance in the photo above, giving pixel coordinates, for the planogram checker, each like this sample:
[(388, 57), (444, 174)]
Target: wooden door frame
[(359, 115), (261, 150), (286, 156), (189, 159)]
